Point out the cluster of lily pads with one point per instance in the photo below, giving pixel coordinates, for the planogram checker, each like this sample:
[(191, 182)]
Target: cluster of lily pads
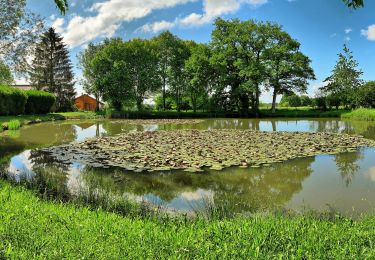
[(161, 121), (195, 150)]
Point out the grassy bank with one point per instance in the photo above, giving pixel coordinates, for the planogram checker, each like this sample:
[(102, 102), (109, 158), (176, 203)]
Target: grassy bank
[(31, 228), (264, 113), (34, 119), (363, 114)]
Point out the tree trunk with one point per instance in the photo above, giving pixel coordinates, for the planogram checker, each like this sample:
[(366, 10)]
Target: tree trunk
[(97, 102), (164, 82), (274, 101)]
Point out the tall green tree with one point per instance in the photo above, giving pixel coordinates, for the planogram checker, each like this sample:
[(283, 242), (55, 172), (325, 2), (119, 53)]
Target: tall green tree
[(52, 69), (225, 55), (167, 52), (199, 73), (90, 80), (6, 77), (111, 68), (288, 69), (345, 79), (143, 69), (177, 75), (19, 30)]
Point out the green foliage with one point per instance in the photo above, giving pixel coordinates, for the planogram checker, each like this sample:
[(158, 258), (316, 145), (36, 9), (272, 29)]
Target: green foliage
[(14, 125), (333, 100), (366, 95), (306, 101), (166, 104), (39, 102), (12, 101), (19, 30), (354, 3), (6, 77), (62, 5), (290, 100), (320, 102), (199, 74), (52, 70), (345, 80)]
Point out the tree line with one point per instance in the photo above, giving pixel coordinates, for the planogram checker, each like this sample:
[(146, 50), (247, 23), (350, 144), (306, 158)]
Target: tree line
[(242, 59)]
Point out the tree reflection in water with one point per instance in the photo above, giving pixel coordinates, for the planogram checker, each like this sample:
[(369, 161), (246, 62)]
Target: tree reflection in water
[(347, 165)]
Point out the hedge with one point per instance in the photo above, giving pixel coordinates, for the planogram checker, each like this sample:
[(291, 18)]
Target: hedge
[(39, 102), (12, 101)]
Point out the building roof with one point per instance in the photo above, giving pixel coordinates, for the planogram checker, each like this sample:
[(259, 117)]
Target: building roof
[(86, 95), (22, 86)]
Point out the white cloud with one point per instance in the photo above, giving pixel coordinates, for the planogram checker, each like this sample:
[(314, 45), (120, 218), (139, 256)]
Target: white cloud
[(107, 18), (211, 10), (348, 30), (369, 33), (347, 38)]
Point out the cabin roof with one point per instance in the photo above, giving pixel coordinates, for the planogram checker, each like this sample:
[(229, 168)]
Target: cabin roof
[(86, 95)]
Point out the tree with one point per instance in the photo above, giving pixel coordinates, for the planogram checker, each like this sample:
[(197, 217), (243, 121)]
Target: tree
[(225, 58), (143, 69), (199, 72), (367, 95), (305, 101), (19, 30), (177, 75), (345, 79), (287, 68), (90, 79), (6, 77), (62, 5), (167, 53), (354, 3), (52, 70), (112, 73)]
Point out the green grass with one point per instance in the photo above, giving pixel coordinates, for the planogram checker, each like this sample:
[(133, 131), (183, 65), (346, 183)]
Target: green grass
[(14, 125), (32, 228), (80, 115), (363, 114)]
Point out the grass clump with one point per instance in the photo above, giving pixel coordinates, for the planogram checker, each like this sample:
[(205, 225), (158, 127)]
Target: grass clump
[(14, 125), (364, 114), (32, 228)]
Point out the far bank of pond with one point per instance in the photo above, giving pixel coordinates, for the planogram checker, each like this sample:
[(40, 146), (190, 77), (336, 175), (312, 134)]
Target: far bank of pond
[(344, 182)]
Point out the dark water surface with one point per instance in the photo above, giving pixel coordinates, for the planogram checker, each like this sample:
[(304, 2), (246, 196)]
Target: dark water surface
[(343, 183)]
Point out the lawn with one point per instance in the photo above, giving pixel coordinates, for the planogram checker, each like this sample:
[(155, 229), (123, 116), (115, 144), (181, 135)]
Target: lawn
[(32, 228)]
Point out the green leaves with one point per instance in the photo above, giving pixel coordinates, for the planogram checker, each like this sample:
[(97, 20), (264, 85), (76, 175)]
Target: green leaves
[(195, 150), (62, 5)]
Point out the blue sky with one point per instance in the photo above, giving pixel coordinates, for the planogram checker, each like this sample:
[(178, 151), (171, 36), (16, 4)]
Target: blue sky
[(321, 26)]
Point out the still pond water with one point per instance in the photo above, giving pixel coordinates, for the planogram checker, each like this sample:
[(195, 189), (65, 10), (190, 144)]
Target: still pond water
[(344, 182)]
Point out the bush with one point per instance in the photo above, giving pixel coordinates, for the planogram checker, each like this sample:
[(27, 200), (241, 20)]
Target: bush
[(12, 101), (14, 125), (320, 103), (39, 102), (366, 95), (305, 101)]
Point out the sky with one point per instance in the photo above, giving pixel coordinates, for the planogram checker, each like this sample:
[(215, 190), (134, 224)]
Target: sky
[(321, 26)]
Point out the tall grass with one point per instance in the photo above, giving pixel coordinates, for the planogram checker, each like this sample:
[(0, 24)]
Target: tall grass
[(364, 114), (14, 125), (32, 228)]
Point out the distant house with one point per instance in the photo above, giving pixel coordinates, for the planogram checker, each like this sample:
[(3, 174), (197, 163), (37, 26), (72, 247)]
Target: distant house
[(23, 86), (85, 102)]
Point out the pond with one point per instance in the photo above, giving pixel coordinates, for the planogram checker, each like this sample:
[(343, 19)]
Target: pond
[(343, 183)]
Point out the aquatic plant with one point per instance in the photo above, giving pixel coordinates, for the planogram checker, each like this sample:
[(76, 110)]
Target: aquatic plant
[(14, 125), (194, 150)]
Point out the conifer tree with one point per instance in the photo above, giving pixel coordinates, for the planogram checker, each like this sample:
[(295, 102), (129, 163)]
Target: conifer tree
[(52, 69)]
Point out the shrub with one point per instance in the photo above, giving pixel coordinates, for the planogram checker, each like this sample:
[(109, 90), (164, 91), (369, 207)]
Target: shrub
[(366, 95), (305, 101), (14, 125), (12, 101), (320, 102), (39, 102)]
